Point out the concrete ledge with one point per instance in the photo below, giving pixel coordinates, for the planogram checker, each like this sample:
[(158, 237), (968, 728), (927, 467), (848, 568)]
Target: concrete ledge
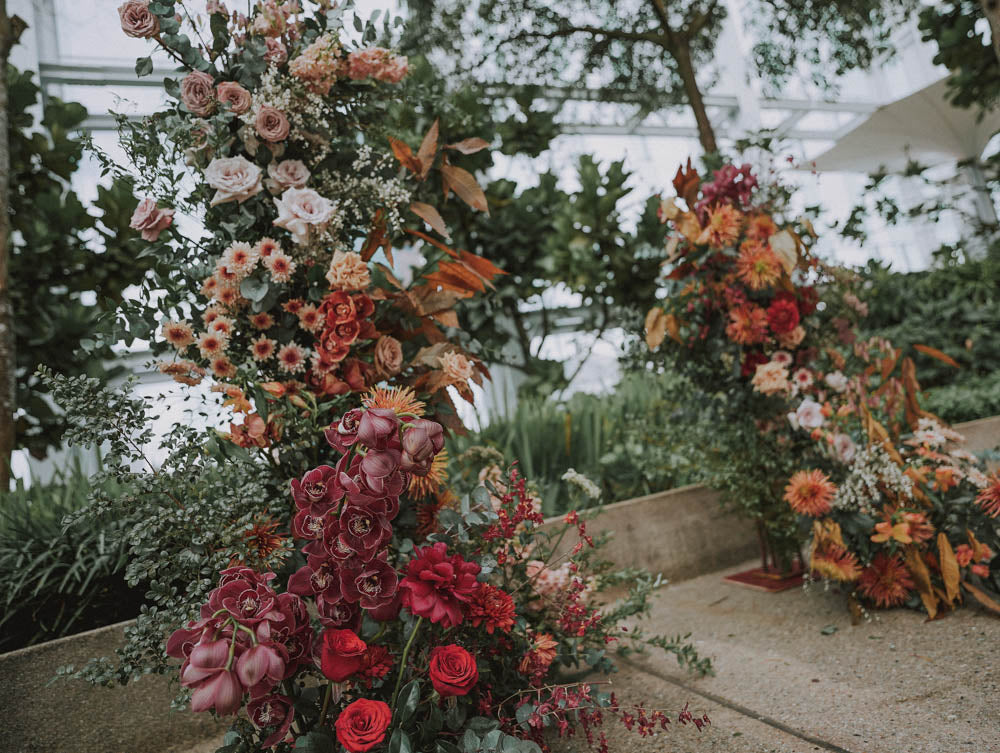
[(982, 434), (69, 716), (681, 533)]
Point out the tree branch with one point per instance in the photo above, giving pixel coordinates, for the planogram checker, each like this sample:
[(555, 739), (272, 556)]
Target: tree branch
[(594, 31)]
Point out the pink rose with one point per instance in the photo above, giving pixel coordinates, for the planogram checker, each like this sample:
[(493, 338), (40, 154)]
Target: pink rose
[(271, 124), (233, 178), (150, 219), (198, 93), (137, 20), (232, 94), (289, 173), (302, 208), (276, 52)]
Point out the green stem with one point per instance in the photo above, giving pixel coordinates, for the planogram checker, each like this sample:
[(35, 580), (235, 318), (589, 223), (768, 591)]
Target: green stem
[(326, 704), (402, 662)]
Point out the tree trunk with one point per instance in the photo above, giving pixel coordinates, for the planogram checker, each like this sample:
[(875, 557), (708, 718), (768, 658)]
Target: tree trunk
[(991, 9), (681, 53), (10, 28)]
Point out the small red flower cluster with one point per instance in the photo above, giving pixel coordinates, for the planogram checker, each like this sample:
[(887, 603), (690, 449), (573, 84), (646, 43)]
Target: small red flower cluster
[(515, 509)]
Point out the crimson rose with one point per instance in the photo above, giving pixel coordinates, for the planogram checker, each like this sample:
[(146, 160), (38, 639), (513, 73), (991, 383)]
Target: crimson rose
[(362, 725), (453, 670), (342, 654)]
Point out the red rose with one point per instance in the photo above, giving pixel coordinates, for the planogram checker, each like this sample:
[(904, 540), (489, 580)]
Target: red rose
[(345, 333), (339, 308), (453, 670), (364, 305), (362, 725), (438, 586), (782, 316), (342, 654)]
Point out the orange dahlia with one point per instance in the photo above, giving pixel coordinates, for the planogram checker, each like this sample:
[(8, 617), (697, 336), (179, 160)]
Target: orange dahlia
[(757, 266), (989, 498), (810, 493), (760, 227), (401, 400), (834, 562), (747, 325), (723, 228), (423, 486), (886, 581)]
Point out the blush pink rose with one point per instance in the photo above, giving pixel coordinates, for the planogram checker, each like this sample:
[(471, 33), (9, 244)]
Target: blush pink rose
[(289, 173), (271, 124), (232, 94), (151, 220), (137, 20), (299, 209), (276, 52), (233, 178), (198, 93)]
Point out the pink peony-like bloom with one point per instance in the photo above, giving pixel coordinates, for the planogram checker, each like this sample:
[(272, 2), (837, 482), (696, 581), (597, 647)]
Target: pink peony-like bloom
[(137, 20), (151, 220), (289, 173), (198, 93), (437, 586), (276, 52), (836, 381), (233, 178), (300, 209), (271, 124), (377, 63), (844, 448), (319, 64), (809, 415), (234, 96)]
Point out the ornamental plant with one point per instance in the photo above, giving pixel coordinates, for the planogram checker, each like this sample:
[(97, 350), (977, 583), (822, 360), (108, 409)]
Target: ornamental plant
[(901, 514), (741, 320), (439, 631), (277, 141)]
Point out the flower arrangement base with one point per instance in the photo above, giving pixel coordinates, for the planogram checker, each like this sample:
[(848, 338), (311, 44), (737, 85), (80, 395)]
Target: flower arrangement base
[(764, 579)]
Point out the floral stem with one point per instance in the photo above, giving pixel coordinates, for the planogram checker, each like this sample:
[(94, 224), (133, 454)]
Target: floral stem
[(326, 704), (402, 661)]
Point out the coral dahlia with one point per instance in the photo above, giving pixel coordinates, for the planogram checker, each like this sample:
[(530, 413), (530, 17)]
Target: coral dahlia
[(810, 493), (886, 581), (989, 498)]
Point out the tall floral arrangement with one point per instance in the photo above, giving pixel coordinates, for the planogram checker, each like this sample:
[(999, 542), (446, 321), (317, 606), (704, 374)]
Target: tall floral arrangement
[(277, 141), (439, 632), (901, 514), (741, 318)]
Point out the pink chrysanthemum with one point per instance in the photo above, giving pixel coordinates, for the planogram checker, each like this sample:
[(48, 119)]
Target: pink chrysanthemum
[(223, 325), (292, 358), (309, 318), (240, 259), (223, 368), (178, 334), (262, 320), (262, 348), (280, 266), (266, 247), (212, 344)]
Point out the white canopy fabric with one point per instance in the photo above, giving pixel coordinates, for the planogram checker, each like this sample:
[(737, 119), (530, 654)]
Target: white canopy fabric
[(923, 127)]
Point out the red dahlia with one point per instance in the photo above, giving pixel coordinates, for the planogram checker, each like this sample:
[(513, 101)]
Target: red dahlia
[(782, 316), (493, 607)]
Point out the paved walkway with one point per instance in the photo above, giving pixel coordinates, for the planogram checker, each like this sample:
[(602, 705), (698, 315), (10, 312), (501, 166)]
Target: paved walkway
[(893, 684)]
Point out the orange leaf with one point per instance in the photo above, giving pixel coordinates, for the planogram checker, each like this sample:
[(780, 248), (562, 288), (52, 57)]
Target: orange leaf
[(434, 242), (982, 597), (378, 237), (431, 216), (935, 353), (656, 327), (949, 568), (428, 149), (448, 318), (922, 577), (481, 265), (465, 186), (469, 146), (405, 155)]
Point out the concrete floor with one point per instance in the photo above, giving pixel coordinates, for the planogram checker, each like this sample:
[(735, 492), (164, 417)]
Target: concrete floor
[(893, 684)]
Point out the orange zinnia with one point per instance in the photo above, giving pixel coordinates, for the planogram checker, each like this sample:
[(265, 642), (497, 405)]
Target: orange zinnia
[(810, 493)]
